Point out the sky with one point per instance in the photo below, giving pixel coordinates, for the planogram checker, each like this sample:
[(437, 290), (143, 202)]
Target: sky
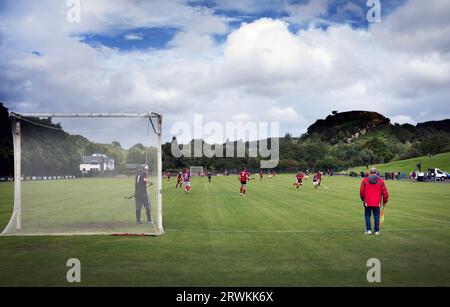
[(282, 61)]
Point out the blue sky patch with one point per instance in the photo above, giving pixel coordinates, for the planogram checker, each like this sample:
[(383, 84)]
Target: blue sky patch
[(134, 39)]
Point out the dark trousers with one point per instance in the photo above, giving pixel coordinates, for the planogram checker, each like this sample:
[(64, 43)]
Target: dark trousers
[(142, 201), (376, 217)]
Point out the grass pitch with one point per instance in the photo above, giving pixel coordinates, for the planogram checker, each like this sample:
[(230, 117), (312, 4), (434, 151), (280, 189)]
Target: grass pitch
[(277, 236)]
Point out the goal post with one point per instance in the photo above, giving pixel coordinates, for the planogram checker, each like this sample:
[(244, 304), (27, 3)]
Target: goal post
[(196, 170), (87, 173), (15, 222)]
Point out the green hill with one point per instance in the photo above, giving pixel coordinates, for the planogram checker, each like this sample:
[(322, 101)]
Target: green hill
[(441, 161)]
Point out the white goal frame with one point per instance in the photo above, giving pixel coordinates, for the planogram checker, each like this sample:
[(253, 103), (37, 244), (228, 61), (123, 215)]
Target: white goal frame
[(16, 131), (195, 174)]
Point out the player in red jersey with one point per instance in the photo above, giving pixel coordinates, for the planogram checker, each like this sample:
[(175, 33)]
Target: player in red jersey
[(179, 180), (168, 176), (187, 181), (261, 175), (319, 177), (299, 180), (243, 178)]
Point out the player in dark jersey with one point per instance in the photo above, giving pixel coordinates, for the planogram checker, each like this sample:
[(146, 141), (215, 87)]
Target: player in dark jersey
[(141, 195), (316, 182), (243, 178), (261, 175), (319, 177), (179, 180), (209, 176)]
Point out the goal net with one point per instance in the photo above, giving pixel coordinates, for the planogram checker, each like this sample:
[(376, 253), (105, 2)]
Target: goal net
[(196, 170), (86, 174)]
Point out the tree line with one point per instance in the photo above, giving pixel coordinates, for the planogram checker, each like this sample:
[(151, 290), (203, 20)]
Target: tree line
[(315, 152)]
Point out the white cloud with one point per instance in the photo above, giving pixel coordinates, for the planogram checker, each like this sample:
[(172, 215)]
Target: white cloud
[(418, 26), (284, 115), (301, 13), (352, 8), (263, 49), (191, 43), (108, 16), (249, 6), (241, 117), (403, 119), (134, 37), (196, 38)]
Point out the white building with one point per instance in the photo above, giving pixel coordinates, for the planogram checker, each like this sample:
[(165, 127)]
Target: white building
[(97, 163)]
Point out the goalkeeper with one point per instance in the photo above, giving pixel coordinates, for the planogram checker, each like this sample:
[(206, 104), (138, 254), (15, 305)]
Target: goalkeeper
[(141, 195)]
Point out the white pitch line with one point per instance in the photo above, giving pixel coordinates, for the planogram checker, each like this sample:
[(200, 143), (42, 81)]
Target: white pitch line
[(423, 218), (296, 231)]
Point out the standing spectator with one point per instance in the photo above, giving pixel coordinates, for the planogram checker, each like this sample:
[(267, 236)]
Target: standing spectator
[(374, 194)]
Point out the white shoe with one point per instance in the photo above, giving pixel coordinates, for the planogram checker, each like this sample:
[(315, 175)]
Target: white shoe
[(377, 233), (368, 232)]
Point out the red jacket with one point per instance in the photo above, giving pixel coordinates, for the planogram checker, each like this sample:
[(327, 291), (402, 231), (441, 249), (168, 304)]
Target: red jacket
[(373, 192)]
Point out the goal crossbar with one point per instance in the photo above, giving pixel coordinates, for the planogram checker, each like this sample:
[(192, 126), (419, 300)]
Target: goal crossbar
[(149, 114)]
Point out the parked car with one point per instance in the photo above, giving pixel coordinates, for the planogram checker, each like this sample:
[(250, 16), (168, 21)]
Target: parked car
[(421, 176), (433, 174), (436, 174)]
